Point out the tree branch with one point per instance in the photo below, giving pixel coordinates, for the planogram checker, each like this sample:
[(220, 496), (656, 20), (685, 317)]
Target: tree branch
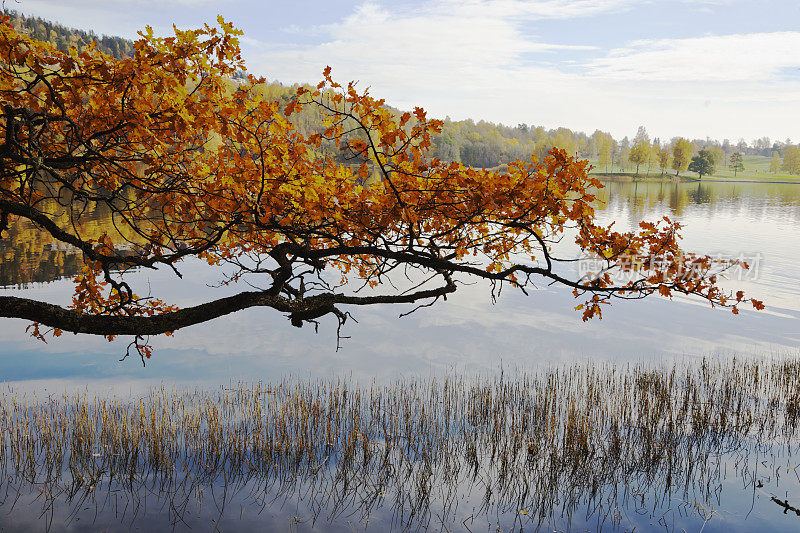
[(300, 310)]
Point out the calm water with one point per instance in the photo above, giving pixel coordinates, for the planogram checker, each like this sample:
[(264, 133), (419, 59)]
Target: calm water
[(465, 335)]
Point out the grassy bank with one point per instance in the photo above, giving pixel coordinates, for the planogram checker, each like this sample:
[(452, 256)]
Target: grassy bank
[(756, 169)]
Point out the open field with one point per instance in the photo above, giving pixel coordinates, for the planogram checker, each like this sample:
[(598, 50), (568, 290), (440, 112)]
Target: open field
[(756, 168)]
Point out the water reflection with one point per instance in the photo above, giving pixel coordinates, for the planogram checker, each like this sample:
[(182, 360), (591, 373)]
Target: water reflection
[(644, 197), (588, 447), (466, 334), (29, 255), (722, 476)]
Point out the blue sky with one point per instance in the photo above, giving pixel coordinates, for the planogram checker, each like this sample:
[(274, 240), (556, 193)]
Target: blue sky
[(696, 68)]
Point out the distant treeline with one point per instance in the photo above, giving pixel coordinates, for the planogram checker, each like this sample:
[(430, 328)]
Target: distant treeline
[(63, 38), (484, 144)]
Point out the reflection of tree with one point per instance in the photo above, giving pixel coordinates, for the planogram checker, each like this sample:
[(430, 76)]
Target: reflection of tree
[(30, 255), (700, 195), (22, 265), (642, 196), (676, 200), (593, 442)]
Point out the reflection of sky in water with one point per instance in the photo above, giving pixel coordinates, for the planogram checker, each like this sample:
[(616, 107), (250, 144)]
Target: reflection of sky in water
[(723, 498), (467, 333)]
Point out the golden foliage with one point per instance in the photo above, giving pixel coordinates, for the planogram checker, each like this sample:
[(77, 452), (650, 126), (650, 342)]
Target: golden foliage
[(191, 164)]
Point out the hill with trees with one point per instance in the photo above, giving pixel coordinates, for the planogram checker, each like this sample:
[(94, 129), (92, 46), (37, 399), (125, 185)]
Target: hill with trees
[(63, 38)]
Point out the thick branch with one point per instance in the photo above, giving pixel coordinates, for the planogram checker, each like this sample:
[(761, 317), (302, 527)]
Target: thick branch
[(300, 310)]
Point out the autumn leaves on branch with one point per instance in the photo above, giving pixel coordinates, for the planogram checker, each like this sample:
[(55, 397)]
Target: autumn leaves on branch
[(191, 164)]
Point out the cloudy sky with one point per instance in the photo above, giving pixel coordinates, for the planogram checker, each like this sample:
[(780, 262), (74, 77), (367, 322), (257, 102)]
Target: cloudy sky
[(696, 68)]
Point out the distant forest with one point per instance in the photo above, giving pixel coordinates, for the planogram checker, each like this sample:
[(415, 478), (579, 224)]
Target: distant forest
[(485, 144), (63, 38)]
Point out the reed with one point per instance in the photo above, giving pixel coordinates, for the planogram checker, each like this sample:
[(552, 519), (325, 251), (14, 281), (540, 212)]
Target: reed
[(534, 447)]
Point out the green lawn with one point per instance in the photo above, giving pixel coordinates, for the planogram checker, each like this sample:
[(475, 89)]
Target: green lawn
[(756, 168)]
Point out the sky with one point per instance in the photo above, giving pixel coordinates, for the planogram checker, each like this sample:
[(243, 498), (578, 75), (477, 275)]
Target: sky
[(692, 68)]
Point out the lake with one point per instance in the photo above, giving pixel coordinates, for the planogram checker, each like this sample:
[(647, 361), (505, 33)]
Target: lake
[(466, 337), (467, 333)]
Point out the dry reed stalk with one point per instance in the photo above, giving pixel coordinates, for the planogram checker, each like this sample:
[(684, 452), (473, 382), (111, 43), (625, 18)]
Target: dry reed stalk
[(569, 438)]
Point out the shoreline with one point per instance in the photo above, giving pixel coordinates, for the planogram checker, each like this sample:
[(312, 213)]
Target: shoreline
[(628, 178)]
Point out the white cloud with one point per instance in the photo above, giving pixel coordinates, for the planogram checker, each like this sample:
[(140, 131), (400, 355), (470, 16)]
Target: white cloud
[(482, 59), (738, 57), (536, 9), (479, 59), (413, 52)]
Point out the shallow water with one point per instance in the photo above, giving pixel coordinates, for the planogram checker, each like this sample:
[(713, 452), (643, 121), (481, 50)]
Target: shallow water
[(465, 336), (583, 448)]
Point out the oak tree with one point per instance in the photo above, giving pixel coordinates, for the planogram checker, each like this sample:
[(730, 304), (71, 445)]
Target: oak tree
[(190, 164)]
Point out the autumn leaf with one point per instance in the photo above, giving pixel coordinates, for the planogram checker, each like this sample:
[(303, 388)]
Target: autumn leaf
[(190, 163)]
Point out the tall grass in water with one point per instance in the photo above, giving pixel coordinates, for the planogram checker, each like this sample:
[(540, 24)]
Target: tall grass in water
[(530, 449)]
